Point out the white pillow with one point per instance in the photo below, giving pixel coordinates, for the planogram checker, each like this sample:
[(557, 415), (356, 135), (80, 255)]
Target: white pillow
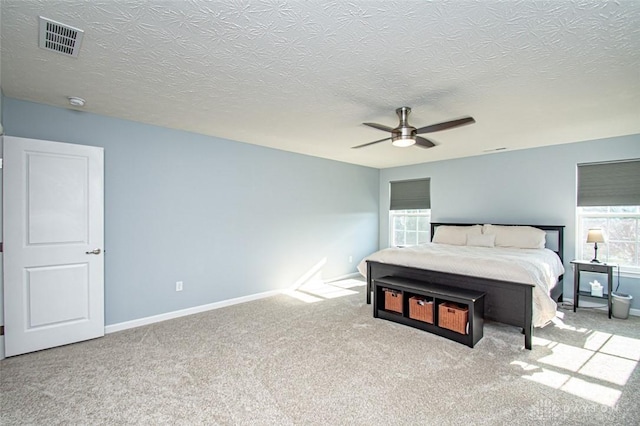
[(455, 235), (484, 240), (516, 236)]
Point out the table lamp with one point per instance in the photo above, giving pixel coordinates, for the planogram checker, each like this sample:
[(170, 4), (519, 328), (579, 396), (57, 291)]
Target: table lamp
[(595, 236)]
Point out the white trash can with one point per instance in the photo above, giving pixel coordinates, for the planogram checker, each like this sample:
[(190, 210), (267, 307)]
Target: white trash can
[(620, 305)]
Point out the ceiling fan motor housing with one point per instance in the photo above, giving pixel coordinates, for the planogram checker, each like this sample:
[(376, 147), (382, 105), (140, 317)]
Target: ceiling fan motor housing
[(404, 130)]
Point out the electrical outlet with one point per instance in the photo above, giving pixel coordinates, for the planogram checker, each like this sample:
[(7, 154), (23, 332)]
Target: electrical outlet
[(178, 285)]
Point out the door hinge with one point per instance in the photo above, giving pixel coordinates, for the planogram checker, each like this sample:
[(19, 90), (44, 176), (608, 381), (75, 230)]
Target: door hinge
[(1, 248)]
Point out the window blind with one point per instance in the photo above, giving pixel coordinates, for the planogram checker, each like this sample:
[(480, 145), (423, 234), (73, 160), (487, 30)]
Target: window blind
[(410, 194), (609, 184)]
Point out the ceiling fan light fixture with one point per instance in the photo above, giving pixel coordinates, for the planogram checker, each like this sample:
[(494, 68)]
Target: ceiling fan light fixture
[(403, 142)]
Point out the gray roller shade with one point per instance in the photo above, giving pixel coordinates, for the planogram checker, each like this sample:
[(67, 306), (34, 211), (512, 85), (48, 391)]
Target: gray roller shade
[(411, 194), (609, 184)]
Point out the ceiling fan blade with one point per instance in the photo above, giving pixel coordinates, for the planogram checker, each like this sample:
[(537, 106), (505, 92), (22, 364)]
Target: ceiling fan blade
[(445, 125), (424, 142), (370, 143), (379, 126)]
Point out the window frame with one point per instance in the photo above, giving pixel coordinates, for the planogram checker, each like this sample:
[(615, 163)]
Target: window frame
[(396, 213), (582, 254)]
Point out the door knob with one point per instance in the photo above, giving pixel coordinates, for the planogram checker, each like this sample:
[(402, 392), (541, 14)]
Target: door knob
[(96, 251)]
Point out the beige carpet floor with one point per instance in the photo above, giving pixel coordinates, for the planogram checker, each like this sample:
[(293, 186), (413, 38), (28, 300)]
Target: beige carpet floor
[(326, 361)]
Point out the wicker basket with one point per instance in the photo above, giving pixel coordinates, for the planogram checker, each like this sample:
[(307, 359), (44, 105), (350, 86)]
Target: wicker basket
[(392, 300), (421, 309), (453, 317)]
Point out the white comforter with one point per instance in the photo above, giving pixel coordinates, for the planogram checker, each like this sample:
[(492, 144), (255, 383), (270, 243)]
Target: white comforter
[(541, 267)]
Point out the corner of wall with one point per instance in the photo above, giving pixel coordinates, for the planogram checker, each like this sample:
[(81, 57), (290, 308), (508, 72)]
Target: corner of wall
[(1, 255)]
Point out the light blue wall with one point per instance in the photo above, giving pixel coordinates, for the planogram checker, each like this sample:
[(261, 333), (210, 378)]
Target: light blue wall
[(1, 239), (536, 186), (228, 219)]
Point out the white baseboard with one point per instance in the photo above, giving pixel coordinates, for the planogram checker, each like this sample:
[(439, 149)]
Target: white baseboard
[(184, 312), (203, 308), (589, 304), (344, 277)]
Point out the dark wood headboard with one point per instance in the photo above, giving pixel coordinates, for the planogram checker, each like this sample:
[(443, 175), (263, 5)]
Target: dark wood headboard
[(554, 238)]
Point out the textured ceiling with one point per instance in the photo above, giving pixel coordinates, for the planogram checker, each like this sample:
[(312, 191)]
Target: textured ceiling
[(303, 75)]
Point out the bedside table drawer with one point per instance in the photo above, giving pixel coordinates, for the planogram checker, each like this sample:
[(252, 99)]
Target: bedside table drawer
[(594, 267)]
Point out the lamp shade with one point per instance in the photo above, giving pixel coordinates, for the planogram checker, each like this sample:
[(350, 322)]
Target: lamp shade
[(595, 236)]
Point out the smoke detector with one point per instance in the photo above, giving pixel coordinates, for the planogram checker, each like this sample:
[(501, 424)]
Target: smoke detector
[(76, 102), (59, 38)]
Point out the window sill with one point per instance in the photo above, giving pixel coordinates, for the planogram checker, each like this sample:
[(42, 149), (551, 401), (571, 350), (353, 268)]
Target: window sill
[(629, 273)]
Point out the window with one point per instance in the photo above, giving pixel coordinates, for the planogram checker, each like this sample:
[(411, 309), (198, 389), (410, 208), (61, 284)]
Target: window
[(621, 227), (609, 199), (410, 212), (410, 227)]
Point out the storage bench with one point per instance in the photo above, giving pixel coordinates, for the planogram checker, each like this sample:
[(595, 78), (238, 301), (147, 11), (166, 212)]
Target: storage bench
[(454, 313)]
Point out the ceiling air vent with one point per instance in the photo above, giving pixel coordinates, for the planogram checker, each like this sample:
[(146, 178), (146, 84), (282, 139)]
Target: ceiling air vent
[(59, 37)]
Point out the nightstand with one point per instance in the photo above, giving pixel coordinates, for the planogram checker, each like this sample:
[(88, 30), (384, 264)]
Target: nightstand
[(598, 268)]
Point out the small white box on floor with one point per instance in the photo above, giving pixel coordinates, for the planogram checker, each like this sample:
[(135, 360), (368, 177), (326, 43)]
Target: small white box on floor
[(596, 289)]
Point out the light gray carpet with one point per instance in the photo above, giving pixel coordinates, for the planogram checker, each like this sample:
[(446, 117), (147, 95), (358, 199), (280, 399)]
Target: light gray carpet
[(283, 361)]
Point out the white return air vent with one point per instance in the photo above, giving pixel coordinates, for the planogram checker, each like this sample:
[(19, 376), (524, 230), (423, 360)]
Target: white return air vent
[(59, 37)]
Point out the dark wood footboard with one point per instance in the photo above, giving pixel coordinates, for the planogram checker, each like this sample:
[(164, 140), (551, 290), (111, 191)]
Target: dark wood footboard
[(506, 302)]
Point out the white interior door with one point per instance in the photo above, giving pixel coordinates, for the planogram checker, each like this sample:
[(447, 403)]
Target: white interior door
[(53, 244)]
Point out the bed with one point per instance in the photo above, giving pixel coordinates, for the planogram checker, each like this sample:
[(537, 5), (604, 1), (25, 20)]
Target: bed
[(518, 267)]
